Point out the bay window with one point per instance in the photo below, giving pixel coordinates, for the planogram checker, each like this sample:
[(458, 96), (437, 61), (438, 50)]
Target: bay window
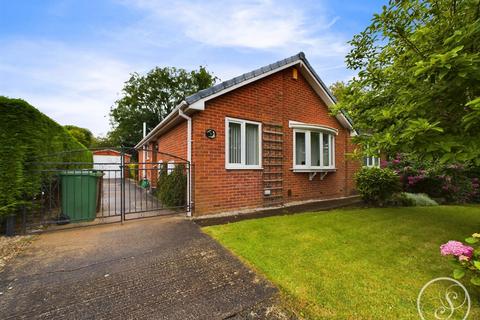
[(313, 149), (242, 144)]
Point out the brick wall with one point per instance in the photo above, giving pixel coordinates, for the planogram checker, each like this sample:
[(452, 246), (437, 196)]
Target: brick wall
[(170, 147), (352, 167), (277, 98), (173, 142)]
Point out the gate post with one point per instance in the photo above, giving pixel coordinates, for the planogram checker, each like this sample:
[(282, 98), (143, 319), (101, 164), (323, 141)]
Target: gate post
[(122, 184)]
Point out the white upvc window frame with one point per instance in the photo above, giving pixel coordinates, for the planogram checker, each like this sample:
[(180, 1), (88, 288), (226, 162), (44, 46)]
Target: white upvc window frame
[(308, 154), (242, 165), (370, 161)]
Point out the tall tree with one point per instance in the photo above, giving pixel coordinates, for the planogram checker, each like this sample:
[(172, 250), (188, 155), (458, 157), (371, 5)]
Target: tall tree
[(84, 136), (338, 89), (418, 83), (149, 98)]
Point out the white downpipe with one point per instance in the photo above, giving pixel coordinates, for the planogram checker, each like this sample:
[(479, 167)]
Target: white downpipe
[(189, 158)]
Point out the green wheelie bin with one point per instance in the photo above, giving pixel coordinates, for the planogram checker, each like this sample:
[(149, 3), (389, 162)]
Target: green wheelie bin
[(79, 194)]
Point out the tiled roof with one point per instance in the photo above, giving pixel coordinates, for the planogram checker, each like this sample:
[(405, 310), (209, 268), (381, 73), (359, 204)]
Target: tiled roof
[(205, 93), (255, 73)]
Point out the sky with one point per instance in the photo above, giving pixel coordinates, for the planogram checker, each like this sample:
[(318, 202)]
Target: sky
[(70, 58)]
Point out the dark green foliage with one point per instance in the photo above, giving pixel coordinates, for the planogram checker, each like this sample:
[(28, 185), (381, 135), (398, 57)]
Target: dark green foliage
[(84, 136), (172, 188), (149, 98), (451, 183), (132, 171), (417, 88), (377, 185), (28, 135), (103, 142), (338, 89)]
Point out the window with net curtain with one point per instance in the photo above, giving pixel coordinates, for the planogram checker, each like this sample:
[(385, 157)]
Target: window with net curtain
[(243, 144), (313, 149)]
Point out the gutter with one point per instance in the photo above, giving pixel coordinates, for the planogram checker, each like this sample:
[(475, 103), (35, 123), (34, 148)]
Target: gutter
[(189, 158)]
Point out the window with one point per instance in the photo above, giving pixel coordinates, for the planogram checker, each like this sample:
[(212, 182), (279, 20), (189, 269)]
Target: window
[(170, 166), (313, 149), (242, 144), (300, 157), (371, 161)]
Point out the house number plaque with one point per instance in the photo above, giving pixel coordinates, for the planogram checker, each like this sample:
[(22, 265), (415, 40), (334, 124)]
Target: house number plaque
[(210, 133)]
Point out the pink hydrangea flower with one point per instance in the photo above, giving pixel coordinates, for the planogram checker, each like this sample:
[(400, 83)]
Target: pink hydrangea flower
[(464, 258), (456, 248)]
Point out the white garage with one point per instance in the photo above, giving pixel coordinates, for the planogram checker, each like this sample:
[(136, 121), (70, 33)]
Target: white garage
[(109, 161)]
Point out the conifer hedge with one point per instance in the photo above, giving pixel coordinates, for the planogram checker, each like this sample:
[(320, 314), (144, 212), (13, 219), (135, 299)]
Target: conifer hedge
[(27, 135)]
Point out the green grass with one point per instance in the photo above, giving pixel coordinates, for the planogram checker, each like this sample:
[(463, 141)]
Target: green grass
[(355, 263)]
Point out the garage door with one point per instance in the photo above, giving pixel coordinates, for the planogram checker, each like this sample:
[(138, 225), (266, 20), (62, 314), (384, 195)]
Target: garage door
[(110, 165)]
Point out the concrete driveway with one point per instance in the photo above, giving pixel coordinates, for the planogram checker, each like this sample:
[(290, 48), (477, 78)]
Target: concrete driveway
[(156, 268)]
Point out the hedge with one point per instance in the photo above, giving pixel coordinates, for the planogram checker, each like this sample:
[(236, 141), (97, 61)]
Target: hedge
[(27, 135)]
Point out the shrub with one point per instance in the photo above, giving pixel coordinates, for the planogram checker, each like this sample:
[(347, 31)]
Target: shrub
[(172, 186), (132, 170), (406, 199), (28, 135), (451, 183), (466, 258), (377, 185)]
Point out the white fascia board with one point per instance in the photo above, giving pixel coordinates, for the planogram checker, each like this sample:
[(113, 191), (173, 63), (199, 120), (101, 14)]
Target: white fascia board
[(326, 98), (311, 126), (198, 105)]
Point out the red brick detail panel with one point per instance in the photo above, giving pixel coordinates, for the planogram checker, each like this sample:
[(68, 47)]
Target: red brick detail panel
[(277, 98)]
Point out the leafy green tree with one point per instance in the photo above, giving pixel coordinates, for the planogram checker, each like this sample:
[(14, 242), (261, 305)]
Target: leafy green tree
[(149, 98), (418, 84), (102, 142), (84, 136), (338, 89)]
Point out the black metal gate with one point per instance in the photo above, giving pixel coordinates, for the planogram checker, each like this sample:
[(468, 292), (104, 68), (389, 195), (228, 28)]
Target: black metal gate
[(119, 184)]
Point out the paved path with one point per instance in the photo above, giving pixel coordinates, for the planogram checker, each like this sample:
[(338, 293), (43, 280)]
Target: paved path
[(156, 268), (137, 199)]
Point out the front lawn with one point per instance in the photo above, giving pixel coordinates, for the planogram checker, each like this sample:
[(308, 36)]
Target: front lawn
[(355, 263)]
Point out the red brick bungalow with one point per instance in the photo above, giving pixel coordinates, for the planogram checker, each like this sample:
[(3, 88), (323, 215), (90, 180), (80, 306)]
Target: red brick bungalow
[(265, 138)]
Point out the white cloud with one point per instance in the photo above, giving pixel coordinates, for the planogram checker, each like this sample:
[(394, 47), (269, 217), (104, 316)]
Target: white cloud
[(77, 84), (257, 24), (71, 85)]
